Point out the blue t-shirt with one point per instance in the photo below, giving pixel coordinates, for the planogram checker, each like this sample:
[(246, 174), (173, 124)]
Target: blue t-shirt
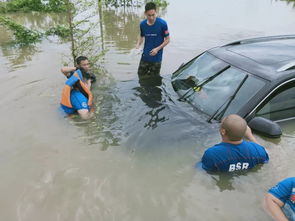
[(154, 36), (79, 102), (226, 157), (285, 191)]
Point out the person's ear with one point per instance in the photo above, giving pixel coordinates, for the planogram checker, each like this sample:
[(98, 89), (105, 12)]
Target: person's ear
[(222, 131)]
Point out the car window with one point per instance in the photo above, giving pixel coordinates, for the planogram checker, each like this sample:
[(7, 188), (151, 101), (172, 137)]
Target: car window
[(249, 89), (280, 105), (216, 93), (201, 68)]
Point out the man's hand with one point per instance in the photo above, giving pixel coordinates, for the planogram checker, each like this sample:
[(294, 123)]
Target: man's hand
[(249, 136), (154, 51)]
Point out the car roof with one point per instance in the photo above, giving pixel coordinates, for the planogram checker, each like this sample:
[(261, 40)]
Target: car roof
[(268, 57)]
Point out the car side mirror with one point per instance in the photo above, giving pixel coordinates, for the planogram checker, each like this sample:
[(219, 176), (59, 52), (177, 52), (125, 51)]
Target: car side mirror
[(265, 127)]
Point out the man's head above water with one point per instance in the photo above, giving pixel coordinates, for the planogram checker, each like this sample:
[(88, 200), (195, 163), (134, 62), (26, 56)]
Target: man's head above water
[(82, 62), (233, 128), (151, 12)]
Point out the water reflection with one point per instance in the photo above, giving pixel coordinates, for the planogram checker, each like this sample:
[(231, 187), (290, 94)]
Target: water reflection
[(225, 181), (37, 20), (150, 92), (121, 26), (18, 56), (105, 129)]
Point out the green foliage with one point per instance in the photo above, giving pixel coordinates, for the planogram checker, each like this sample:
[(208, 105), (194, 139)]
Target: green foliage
[(32, 5), (131, 3), (59, 30), (291, 2), (82, 25), (161, 3), (22, 34), (56, 6)]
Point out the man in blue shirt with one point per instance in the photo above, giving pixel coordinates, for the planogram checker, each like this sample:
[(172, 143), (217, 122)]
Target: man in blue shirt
[(234, 153), (76, 94), (154, 32), (280, 200)]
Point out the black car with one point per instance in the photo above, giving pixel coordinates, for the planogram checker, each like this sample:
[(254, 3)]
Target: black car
[(254, 78)]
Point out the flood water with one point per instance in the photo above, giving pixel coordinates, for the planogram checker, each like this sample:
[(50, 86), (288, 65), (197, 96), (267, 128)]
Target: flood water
[(135, 160)]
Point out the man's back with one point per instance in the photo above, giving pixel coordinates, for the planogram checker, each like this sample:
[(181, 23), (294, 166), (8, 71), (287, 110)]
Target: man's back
[(228, 157)]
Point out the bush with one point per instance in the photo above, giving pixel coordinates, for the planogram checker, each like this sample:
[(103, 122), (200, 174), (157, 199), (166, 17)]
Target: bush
[(22, 34), (61, 31), (32, 5)]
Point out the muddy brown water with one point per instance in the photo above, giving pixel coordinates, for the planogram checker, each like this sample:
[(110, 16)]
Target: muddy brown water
[(135, 160)]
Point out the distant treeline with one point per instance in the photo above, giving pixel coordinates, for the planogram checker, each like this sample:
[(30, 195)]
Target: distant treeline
[(129, 3), (60, 5), (32, 5)]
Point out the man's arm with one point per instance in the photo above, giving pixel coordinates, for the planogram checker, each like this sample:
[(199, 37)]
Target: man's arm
[(85, 114), (139, 41), (155, 51), (88, 84), (249, 135), (273, 206), (66, 70)]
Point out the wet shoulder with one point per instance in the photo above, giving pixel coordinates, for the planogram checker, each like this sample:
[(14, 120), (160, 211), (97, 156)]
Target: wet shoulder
[(251, 144), (161, 21), (289, 181), (143, 22), (217, 148)]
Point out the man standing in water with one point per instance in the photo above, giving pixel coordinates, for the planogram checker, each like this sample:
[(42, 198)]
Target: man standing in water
[(154, 32)]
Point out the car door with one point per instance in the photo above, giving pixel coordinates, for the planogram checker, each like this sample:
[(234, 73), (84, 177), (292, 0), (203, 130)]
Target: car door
[(280, 104)]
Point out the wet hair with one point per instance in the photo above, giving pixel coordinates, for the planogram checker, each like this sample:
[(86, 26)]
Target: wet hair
[(235, 127), (150, 6), (80, 58)]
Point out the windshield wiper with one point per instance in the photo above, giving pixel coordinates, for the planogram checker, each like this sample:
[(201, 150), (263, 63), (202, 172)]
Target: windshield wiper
[(220, 112), (198, 87)]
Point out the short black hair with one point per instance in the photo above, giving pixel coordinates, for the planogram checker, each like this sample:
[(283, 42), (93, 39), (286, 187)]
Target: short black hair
[(150, 6), (81, 58)]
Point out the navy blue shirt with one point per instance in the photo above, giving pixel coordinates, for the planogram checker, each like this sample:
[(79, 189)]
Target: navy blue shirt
[(154, 36), (226, 157), (285, 191)]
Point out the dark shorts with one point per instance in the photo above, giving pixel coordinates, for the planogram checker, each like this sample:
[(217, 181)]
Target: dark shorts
[(149, 69)]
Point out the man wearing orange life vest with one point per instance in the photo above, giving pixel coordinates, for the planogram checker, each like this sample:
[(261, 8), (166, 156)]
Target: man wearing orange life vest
[(76, 94)]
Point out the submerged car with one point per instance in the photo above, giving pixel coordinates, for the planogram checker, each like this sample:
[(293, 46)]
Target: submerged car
[(254, 78)]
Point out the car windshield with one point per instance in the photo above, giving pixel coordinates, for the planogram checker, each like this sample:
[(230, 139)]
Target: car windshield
[(201, 68), (216, 85)]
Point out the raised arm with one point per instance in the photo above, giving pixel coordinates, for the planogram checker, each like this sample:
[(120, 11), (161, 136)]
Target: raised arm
[(67, 70), (249, 135)]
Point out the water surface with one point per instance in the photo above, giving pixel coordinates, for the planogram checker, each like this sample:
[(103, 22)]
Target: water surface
[(135, 160)]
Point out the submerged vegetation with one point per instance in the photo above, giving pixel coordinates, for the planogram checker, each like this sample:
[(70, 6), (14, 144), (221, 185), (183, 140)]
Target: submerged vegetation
[(22, 34)]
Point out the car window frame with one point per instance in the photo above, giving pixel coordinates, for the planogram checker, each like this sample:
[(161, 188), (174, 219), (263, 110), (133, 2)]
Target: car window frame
[(254, 110)]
